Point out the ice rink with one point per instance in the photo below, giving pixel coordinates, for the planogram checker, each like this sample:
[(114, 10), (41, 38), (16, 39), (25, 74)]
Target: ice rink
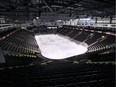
[(54, 46)]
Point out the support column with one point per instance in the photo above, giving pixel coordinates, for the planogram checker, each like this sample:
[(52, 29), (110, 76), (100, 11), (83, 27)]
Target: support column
[(2, 59), (110, 20), (96, 20)]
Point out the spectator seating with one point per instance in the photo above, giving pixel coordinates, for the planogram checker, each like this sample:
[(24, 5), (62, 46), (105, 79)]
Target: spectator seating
[(96, 68), (19, 45), (65, 74), (97, 41)]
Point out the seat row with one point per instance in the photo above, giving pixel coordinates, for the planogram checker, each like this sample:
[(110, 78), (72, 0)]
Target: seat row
[(96, 41), (87, 75), (20, 44)]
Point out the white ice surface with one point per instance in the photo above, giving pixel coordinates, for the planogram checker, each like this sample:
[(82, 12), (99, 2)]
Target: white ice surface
[(53, 46)]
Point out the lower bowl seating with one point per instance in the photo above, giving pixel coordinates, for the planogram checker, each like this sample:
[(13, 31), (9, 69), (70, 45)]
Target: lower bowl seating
[(23, 67)]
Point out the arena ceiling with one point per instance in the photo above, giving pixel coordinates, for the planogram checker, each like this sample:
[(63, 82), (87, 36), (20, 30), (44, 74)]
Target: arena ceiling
[(32, 8)]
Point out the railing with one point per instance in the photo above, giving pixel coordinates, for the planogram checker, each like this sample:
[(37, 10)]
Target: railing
[(4, 27)]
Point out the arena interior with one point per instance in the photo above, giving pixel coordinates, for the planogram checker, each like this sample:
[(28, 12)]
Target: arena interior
[(57, 43)]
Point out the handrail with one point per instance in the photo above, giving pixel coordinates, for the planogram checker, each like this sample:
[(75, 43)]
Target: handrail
[(5, 26)]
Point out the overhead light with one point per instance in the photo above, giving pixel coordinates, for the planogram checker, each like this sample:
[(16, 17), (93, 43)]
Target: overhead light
[(37, 17), (103, 36), (87, 19), (91, 34)]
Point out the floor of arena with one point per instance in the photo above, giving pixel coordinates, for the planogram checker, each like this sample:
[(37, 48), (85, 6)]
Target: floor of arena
[(54, 46)]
